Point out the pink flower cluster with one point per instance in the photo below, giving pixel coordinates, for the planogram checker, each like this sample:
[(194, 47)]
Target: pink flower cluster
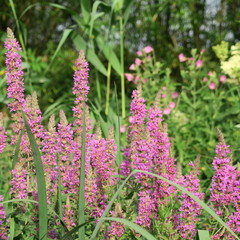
[(3, 224)]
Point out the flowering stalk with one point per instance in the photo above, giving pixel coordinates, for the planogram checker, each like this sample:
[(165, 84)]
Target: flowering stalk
[(3, 222), (3, 134), (225, 187), (15, 81), (190, 210)]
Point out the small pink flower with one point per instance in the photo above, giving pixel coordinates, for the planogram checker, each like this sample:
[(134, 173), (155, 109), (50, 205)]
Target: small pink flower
[(167, 111), (129, 76), (145, 80), (164, 88), (136, 79), (138, 61), (181, 57), (172, 104), (131, 119), (123, 128), (174, 95), (132, 67), (148, 49), (199, 63), (164, 95), (210, 73), (203, 50), (191, 58), (205, 79), (139, 53), (212, 85), (223, 78)]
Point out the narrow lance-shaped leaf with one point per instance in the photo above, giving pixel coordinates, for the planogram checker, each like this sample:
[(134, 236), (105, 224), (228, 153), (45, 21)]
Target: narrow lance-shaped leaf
[(41, 184)]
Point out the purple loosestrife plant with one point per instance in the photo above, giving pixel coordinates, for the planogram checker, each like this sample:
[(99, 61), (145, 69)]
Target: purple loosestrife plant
[(163, 162), (116, 228), (190, 210), (15, 82), (225, 189), (49, 159)]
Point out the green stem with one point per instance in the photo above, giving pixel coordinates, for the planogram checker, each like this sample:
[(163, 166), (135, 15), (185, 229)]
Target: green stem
[(81, 205), (122, 66), (108, 88)]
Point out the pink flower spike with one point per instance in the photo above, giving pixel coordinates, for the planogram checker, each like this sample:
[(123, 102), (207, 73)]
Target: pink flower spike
[(138, 61), (212, 85), (203, 50), (174, 95), (223, 78), (199, 63), (132, 67), (129, 76), (167, 111), (172, 105), (210, 73), (148, 49), (164, 95), (205, 79), (181, 57), (139, 53)]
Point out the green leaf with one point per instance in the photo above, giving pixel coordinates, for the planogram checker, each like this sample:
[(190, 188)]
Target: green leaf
[(203, 235), (132, 225), (86, 10), (110, 54), (80, 43), (62, 41), (15, 156), (41, 185)]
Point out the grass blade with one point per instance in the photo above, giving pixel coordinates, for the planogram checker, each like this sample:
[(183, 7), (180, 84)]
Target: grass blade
[(203, 235), (15, 156), (81, 206), (132, 225), (62, 41), (41, 184)]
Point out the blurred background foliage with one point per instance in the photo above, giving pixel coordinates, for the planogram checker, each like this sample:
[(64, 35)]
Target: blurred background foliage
[(110, 32)]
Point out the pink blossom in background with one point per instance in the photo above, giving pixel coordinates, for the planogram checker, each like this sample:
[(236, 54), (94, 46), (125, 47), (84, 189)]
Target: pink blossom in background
[(145, 80), (167, 111), (148, 49), (205, 79), (138, 61), (164, 95), (210, 73), (181, 57), (129, 76), (136, 79), (174, 95), (191, 58), (172, 104), (203, 50), (164, 88), (132, 67), (199, 63), (123, 128), (139, 53), (223, 78), (212, 86)]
